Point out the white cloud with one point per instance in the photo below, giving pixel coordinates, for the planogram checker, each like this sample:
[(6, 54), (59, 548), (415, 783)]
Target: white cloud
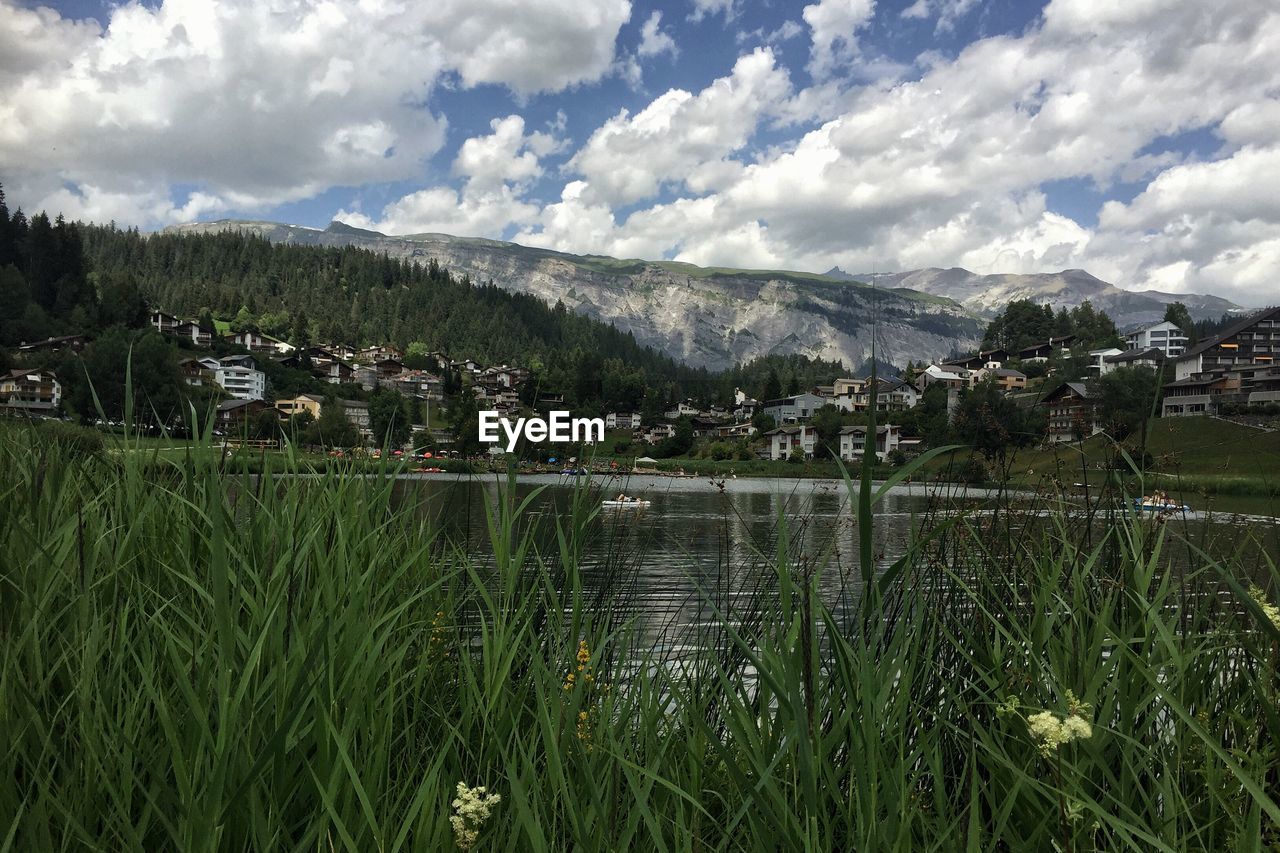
[(834, 24), (506, 155), (950, 168), (681, 137), (259, 104), (653, 40), (710, 8), (947, 169), (498, 169), (478, 213), (948, 12)]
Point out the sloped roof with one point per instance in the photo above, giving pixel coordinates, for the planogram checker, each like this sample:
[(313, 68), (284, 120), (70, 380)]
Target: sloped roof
[(1230, 331), (1148, 354)]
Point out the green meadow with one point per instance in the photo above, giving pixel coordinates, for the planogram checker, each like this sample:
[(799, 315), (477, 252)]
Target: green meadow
[(195, 659)]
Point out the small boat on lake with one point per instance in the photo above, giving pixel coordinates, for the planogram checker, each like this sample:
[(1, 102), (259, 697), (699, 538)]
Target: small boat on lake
[(624, 502), (1159, 503)]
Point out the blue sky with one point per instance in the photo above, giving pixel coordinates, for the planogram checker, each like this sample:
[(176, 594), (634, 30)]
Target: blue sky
[(1134, 140)]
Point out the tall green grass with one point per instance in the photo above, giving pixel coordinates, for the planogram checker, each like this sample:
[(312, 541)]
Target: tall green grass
[(195, 659)]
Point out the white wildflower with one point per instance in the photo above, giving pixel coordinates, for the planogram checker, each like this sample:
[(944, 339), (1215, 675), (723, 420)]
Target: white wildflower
[(471, 807), (1050, 731)]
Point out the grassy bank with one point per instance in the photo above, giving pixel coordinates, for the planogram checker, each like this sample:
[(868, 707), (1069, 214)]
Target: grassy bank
[(198, 661), (1191, 458)]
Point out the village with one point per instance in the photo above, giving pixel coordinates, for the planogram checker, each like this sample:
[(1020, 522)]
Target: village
[(1234, 372)]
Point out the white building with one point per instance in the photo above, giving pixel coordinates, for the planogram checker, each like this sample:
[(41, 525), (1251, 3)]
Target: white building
[(950, 377), (1164, 336), (685, 408), (853, 441), (783, 440), (1098, 360), (30, 391), (622, 420), (239, 378), (789, 410)]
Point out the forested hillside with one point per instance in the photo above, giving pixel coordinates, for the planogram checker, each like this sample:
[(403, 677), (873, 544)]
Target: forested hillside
[(61, 278), (360, 297)]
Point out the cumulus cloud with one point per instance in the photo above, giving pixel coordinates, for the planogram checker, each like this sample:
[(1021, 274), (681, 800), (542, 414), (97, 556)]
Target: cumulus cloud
[(263, 103), (834, 24), (505, 156), (948, 168), (709, 8), (498, 169), (947, 12), (653, 40), (681, 137), (255, 105), (473, 212)]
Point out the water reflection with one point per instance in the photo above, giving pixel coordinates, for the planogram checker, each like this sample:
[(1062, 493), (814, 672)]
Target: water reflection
[(706, 549)]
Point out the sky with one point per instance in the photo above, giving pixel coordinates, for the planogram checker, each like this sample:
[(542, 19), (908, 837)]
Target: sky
[(1139, 140)]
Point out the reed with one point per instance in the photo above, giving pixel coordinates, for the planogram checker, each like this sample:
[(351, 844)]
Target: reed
[(199, 659)]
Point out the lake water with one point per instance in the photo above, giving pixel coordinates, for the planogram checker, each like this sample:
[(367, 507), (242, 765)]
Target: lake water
[(706, 547)]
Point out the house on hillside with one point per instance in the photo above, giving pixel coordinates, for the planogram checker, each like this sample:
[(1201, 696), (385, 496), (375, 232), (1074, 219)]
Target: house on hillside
[(786, 439), (1164, 336), (1072, 416), (239, 376), (75, 343), (235, 413), (853, 441), (1199, 393), (29, 392), (656, 433), (989, 359), (622, 420), (1098, 365), (418, 383), (336, 372), (1044, 350), (735, 430), (167, 324), (252, 341), (309, 403), (958, 378), (894, 395), (194, 372), (1005, 378), (164, 322), (790, 410), (1253, 340), (683, 409), (372, 355), (1151, 357), (357, 412)]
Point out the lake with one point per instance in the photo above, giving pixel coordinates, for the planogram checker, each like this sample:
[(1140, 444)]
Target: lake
[(704, 546)]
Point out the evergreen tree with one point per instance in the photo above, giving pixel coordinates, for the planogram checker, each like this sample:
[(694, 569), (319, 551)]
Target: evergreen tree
[(1177, 314)]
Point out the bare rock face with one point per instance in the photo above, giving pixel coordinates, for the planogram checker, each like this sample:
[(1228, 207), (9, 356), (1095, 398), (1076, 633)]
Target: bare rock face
[(705, 317), (986, 295)]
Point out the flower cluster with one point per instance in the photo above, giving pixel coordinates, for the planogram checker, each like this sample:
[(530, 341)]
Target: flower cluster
[(471, 807), (583, 668), (437, 630), (1050, 731), (1268, 609), (584, 727)]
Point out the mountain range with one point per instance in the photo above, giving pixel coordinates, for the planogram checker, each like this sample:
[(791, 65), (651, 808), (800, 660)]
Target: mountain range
[(986, 295), (715, 317)]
